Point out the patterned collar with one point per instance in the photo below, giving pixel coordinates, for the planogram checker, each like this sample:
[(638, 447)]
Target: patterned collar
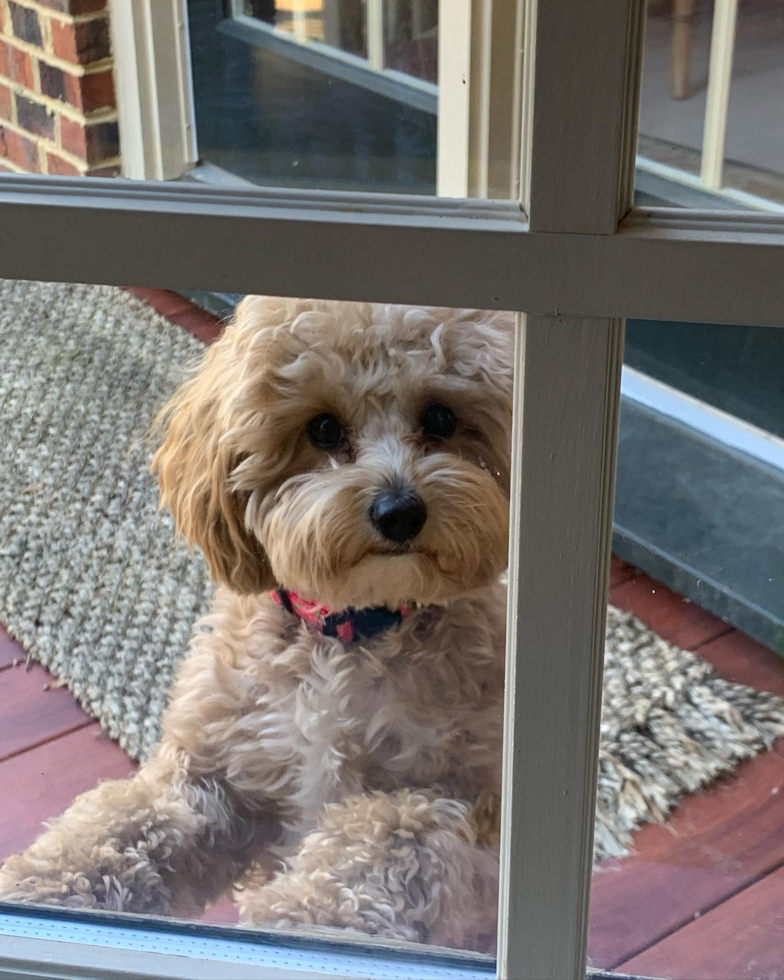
[(346, 625)]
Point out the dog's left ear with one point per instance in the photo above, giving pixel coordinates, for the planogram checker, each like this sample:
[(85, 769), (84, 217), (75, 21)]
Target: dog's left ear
[(194, 467)]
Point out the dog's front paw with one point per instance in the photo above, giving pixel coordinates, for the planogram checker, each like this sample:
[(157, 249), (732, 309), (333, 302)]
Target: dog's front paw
[(108, 880), (404, 865)]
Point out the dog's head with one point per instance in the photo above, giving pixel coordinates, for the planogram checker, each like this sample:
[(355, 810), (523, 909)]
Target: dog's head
[(355, 453)]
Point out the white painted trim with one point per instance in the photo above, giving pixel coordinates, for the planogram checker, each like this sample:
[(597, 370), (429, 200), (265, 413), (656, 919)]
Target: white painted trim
[(750, 201), (454, 98), (154, 91), (299, 22), (566, 414), (494, 112), (374, 28), (581, 114), (720, 426), (714, 136), (582, 104)]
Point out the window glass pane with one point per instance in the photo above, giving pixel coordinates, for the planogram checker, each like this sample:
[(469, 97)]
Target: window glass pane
[(331, 747), (282, 105), (688, 881), (324, 94), (755, 147), (711, 109)]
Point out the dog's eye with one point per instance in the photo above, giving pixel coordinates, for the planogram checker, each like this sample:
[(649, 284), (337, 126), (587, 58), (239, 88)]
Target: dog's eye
[(439, 422), (325, 432)]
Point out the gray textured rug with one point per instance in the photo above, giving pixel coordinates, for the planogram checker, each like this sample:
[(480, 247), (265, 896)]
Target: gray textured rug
[(93, 585)]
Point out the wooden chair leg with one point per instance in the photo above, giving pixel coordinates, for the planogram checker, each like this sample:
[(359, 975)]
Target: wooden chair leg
[(681, 47)]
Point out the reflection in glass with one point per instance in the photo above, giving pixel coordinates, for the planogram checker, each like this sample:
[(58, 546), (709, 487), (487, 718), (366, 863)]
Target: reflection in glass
[(411, 39), (712, 112), (313, 110)]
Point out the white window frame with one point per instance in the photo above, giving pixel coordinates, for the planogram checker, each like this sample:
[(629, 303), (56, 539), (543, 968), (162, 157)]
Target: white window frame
[(575, 259), (152, 71)]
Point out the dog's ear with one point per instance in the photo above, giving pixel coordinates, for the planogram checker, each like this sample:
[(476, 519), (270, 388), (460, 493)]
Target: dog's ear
[(194, 466)]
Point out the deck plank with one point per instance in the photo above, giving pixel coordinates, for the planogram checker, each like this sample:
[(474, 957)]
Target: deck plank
[(715, 843), (10, 650), (31, 715), (41, 783), (742, 660), (620, 571), (741, 939), (164, 301), (665, 612)]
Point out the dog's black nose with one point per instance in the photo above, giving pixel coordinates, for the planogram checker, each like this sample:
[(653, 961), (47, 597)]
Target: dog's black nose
[(398, 514)]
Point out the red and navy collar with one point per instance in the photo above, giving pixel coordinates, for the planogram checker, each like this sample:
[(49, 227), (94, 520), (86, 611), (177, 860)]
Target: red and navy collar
[(346, 625)]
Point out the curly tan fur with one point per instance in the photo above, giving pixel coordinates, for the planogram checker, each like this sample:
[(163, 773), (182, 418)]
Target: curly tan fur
[(404, 865), (372, 770)]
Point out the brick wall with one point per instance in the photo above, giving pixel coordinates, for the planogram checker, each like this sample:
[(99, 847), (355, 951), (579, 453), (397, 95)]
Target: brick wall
[(58, 112)]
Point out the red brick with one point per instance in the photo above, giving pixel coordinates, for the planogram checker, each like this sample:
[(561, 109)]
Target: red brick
[(57, 165), (55, 82), (6, 170), (91, 142), (86, 93), (25, 23), (34, 117), (73, 137), (16, 65), (64, 41), (19, 149), (97, 91), (5, 102), (82, 43)]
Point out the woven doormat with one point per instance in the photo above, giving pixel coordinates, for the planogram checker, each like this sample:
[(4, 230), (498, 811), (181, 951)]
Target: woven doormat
[(93, 585)]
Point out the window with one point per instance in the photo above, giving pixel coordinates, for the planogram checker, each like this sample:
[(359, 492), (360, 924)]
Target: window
[(565, 249)]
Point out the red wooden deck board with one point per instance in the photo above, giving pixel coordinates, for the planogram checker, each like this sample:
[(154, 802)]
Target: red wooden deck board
[(200, 323), (10, 650), (30, 715), (739, 658), (183, 312), (620, 571), (668, 614), (714, 844), (165, 301), (742, 939), (41, 783)]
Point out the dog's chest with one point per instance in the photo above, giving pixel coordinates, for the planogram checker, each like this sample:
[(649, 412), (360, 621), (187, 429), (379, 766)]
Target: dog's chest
[(364, 724)]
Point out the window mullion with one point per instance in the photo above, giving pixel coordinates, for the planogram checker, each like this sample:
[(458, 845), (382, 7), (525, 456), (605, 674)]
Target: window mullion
[(581, 80)]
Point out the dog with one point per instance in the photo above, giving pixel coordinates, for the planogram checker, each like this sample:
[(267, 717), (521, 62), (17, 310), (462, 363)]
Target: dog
[(332, 746)]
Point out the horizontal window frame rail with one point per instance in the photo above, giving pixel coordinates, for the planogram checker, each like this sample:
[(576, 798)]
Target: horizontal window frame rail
[(663, 263)]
